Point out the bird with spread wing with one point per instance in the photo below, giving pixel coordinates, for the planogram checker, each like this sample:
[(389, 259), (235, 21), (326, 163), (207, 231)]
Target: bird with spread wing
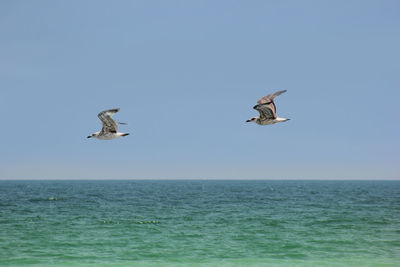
[(267, 109), (110, 126)]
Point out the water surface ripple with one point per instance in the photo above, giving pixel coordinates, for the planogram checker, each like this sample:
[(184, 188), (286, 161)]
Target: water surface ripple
[(196, 223)]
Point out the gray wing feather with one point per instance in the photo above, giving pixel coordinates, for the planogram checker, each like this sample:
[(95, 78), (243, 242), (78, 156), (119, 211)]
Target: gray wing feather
[(267, 111), (109, 125), (270, 97)]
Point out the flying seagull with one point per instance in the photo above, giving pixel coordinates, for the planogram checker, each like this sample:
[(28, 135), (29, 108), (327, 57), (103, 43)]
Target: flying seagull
[(267, 109), (110, 127)]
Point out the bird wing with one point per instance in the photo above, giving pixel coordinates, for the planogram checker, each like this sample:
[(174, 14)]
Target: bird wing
[(109, 125), (267, 111), (268, 98)]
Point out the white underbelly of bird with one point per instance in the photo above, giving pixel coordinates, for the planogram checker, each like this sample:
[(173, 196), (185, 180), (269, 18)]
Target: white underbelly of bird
[(110, 136), (268, 122)]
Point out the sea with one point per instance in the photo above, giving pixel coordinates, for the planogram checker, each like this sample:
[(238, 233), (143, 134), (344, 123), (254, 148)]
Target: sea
[(199, 223)]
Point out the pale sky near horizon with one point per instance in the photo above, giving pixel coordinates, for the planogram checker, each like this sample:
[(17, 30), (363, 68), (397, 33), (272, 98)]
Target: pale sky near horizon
[(186, 75)]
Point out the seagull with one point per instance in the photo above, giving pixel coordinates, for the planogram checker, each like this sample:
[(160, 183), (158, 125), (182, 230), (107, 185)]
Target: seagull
[(267, 109), (110, 127)]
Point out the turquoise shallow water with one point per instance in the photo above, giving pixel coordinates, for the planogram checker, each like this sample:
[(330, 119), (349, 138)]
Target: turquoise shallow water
[(200, 223)]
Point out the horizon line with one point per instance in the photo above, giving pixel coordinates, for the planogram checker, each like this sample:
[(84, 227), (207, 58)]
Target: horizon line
[(199, 179)]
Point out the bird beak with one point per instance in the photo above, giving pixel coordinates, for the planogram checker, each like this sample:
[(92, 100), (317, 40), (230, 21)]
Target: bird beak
[(89, 136), (248, 120)]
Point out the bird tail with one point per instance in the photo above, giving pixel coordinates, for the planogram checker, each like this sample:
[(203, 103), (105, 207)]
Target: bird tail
[(282, 119)]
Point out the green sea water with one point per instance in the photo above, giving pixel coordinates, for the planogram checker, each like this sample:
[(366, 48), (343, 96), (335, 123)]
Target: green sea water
[(200, 223)]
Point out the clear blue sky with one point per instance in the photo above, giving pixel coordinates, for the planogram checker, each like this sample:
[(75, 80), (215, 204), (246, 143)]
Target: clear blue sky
[(186, 75)]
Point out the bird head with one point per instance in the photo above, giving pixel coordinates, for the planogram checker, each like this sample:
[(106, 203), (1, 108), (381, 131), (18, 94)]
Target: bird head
[(94, 135)]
